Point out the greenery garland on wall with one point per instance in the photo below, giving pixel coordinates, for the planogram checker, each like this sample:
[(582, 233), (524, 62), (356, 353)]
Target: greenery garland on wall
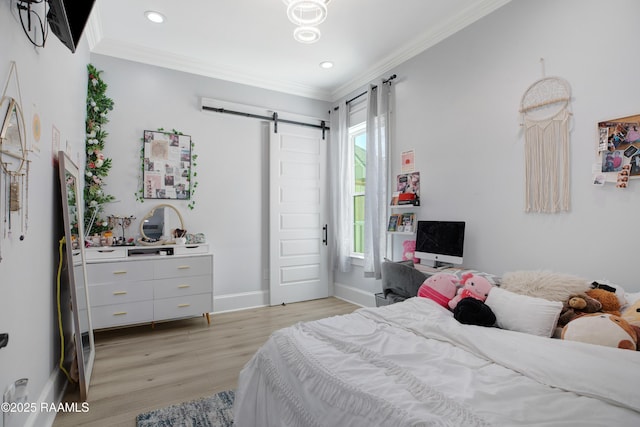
[(98, 166), (139, 194)]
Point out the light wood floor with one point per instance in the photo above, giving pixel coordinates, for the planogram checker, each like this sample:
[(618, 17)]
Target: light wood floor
[(139, 369)]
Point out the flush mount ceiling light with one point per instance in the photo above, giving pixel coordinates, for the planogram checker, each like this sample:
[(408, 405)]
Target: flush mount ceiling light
[(326, 64), (154, 16), (306, 14), (306, 34)]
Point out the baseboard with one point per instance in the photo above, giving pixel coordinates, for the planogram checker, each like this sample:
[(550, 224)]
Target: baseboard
[(52, 393), (354, 295), (240, 301), (246, 300)]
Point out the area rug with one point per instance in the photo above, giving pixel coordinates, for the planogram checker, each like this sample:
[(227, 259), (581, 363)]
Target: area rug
[(214, 411)]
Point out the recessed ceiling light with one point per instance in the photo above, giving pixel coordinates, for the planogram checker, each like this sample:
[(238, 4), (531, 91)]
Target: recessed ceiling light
[(326, 64), (154, 16)]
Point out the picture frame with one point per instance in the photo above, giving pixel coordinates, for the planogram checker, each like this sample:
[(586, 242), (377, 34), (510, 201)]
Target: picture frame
[(167, 161), (393, 222), (407, 222)]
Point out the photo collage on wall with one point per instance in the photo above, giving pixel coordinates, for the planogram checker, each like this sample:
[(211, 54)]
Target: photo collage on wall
[(167, 165), (619, 151)]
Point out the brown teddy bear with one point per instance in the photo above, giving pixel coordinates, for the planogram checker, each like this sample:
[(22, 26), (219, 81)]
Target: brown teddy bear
[(577, 305), (609, 300)]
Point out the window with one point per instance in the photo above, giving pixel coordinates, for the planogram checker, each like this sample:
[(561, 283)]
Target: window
[(358, 140)]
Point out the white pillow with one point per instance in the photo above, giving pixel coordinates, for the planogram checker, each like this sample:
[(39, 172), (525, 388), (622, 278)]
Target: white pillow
[(522, 313), (632, 297)]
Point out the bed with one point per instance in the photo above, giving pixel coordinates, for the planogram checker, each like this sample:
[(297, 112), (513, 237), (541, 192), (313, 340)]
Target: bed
[(412, 364)]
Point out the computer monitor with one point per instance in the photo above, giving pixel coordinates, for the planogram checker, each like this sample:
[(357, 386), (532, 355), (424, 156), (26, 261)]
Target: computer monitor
[(440, 241)]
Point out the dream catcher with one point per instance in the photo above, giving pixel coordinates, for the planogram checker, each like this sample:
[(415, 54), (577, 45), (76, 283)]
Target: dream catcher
[(545, 110), (13, 161)]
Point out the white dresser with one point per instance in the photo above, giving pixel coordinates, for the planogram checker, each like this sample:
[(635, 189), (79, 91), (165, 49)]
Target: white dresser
[(145, 284)]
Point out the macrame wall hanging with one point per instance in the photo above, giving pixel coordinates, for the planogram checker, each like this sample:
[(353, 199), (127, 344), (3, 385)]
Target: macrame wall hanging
[(545, 111), (14, 165)]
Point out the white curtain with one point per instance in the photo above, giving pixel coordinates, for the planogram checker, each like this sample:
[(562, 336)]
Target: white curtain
[(340, 152), (376, 200)]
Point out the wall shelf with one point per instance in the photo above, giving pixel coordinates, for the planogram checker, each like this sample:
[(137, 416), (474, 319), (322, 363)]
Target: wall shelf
[(403, 206)]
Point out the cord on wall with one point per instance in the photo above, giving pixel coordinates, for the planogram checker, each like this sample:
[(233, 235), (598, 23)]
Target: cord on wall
[(25, 12), (62, 368)]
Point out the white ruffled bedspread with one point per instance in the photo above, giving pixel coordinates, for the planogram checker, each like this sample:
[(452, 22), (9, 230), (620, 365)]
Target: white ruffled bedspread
[(413, 364)]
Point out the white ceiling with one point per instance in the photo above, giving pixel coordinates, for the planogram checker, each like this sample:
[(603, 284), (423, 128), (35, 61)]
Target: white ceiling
[(251, 41)]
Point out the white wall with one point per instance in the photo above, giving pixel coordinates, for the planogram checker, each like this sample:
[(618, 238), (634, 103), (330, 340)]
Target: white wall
[(53, 84), (232, 166), (457, 106)]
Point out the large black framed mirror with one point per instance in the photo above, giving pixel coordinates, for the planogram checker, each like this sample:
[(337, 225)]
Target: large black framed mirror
[(72, 209)]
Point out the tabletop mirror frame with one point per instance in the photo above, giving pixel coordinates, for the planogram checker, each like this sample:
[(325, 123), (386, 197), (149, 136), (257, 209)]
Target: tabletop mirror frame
[(146, 240), (75, 255)]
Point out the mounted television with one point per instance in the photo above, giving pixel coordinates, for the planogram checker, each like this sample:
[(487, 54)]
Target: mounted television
[(67, 19), (440, 241)]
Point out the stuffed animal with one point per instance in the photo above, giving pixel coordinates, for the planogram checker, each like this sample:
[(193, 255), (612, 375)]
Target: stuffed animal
[(471, 311), (609, 300), (632, 313), (602, 329), (408, 248), (612, 287), (577, 305), (440, 287), (472, 286)]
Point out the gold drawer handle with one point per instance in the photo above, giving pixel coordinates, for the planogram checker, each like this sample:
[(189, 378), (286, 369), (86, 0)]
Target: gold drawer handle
[(184, 286), (120, 272), (183, 267), (183, 305), (120, 293), (119, 313)]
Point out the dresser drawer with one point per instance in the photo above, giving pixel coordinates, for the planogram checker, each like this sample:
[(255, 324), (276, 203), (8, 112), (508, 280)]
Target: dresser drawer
[(107, 316), (187, 306), (183, 267), (200, 248), (179, 286), (119, 272), (118, 293), (105, 253)]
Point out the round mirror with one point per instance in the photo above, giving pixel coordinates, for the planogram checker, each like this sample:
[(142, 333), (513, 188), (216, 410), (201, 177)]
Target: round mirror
[(13, 140), (161, 226)]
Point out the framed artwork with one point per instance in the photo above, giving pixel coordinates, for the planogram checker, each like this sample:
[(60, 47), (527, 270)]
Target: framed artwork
[(166, 165)]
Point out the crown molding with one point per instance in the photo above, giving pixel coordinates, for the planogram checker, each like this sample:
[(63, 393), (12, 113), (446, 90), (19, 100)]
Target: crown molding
[(93, 30), (132, 52), (465, 18), (100, 45)]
